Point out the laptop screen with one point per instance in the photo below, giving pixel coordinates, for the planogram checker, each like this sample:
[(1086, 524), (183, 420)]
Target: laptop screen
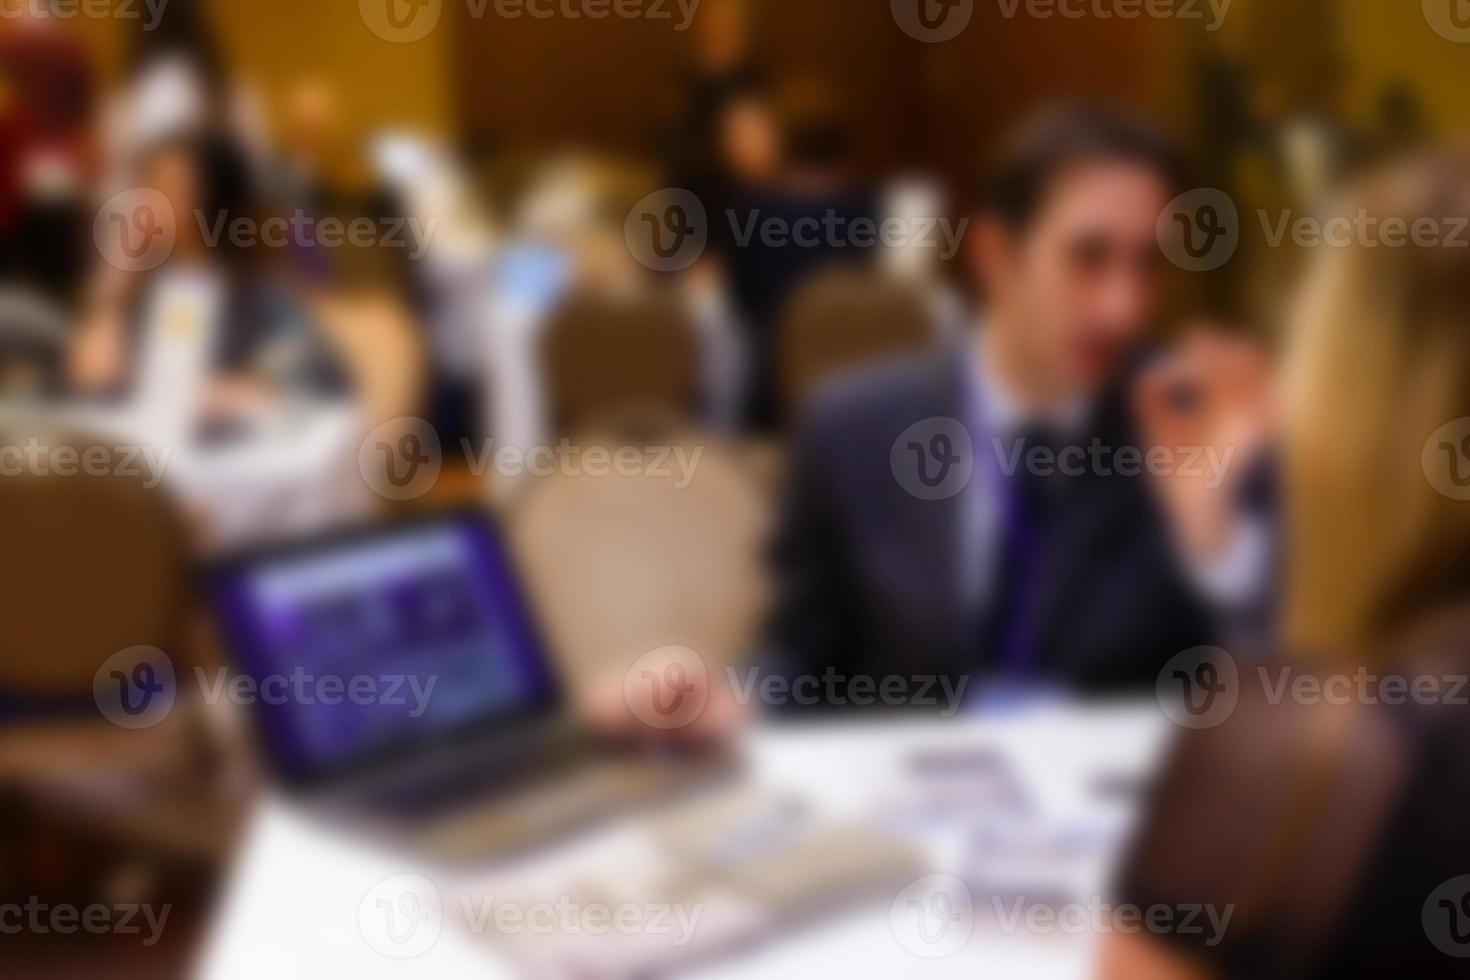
[(352, 648)]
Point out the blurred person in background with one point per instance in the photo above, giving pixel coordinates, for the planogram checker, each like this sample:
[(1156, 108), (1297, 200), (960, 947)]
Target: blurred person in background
[(724, 71), (1031, 576), (325, 171), (178, 82), (221, 302), (787, 161), (48, 155), (1333, 824)]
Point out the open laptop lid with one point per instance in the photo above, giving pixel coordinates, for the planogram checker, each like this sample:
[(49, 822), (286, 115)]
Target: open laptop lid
[(372, 647)]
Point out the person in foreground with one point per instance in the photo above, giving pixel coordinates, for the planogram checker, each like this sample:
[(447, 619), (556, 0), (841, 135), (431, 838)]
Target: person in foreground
[(1328, 808)]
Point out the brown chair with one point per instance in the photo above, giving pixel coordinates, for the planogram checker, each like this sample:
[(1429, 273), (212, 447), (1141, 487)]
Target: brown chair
[(843, 319), (33, 336), (622, 565), (97, 564), (94, 564), (608, 354), (378, 342)]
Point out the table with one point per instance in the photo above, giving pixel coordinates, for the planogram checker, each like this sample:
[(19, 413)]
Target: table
[(295, 471), (291, 909)]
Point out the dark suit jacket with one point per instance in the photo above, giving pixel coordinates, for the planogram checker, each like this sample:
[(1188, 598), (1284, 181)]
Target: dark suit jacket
[(868, 575)]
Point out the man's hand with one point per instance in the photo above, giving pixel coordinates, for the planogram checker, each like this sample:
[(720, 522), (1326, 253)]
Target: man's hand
[(1211, 399), (667, 697)]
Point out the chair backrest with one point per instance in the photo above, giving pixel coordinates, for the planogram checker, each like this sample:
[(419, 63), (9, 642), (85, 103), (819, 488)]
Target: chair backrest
[(608, 354), (843, 319), (33, 336), (379, 345), (93, 565), (623, 564)]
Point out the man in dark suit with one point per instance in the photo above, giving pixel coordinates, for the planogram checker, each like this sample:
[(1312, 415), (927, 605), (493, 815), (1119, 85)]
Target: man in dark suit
[(987, 513), (1037, 506)]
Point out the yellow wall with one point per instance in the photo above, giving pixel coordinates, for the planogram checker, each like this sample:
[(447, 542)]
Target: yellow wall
[(271, 43), (276, 41), (1392, 40)]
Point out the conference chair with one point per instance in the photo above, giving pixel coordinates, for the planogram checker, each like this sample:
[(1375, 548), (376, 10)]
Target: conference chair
[(845, 318), (608, 353), (33, 335), (97, 565), (660, 555)]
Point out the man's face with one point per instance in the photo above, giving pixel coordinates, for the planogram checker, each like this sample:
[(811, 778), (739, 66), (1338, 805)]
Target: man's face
[(1081, 284)]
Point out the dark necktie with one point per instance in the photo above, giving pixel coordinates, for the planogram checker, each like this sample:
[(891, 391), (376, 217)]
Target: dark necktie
[(1027, 507)]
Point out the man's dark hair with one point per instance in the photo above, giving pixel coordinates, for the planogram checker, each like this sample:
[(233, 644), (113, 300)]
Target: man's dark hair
[(1016, 187)]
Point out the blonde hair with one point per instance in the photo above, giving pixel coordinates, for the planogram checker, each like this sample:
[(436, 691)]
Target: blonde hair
[(1378, 361)]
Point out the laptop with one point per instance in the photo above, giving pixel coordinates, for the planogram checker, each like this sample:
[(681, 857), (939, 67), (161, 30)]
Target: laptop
[(398, 678)]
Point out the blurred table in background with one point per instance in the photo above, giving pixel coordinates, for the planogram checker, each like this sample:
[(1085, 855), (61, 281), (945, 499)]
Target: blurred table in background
[(1034, 800), (289, 470)]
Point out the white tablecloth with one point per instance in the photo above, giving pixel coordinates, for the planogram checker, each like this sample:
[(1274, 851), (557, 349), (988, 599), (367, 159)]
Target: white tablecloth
[(291, 909)]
